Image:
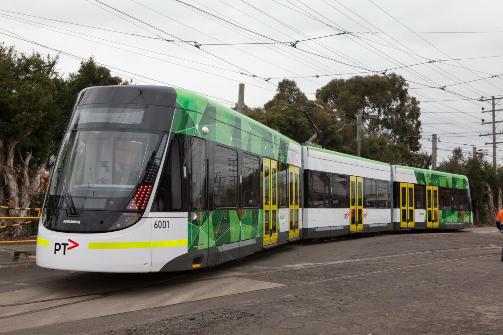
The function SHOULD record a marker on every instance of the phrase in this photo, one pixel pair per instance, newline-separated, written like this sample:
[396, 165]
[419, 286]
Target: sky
[449, 51]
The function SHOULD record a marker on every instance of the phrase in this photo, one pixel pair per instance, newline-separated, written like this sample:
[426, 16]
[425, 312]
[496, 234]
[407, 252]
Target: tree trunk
[10, 175]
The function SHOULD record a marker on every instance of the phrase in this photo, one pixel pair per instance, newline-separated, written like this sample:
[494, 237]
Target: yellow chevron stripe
[137, 245]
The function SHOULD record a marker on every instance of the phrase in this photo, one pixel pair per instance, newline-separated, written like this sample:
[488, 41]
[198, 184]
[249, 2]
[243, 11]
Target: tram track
[104, 294]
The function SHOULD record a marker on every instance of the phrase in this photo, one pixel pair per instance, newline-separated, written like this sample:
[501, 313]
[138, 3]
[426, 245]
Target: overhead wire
[239, 49]
[180, 39]
[14, 35]
[106, 42]
[421, 37]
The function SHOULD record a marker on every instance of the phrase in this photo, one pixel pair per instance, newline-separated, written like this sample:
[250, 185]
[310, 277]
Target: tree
[387, 109]
[35, 104]
[485, 183]
[28, 120]
[334, 113]
[89, 74]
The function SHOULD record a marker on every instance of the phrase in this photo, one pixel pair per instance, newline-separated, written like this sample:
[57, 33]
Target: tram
[152, 178]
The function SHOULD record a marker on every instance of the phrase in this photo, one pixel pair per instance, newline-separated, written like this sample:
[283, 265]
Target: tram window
[446, 198]
[370, 192]
[198, 173]
[467, 200]
[282, 185]
[360, 192]
[420, 196]
[274, 188]
[396, 195]
[319, 189]
[297, 188]
[403, 196]
[169, 195]
[291, 180]
[383, 196]
[225, 179]
[339, 191]
[459, 202]
[250, 185]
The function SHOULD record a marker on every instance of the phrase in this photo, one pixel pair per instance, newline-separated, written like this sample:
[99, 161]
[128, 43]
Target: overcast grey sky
[385, 34]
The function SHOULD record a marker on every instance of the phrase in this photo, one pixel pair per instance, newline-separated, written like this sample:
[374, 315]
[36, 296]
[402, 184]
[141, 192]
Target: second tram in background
[162, 179]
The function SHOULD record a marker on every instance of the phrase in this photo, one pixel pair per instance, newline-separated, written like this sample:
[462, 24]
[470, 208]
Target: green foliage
[89, 74]
[387, 109]
[391, 126]
[29, 110]
[35, 104]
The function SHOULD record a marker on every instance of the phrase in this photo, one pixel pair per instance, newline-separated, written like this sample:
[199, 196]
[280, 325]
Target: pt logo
[64, 247]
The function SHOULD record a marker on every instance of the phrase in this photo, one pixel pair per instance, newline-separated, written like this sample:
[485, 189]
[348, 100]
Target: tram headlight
[125, 220]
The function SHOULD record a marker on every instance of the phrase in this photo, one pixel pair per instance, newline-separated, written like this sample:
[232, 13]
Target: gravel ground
[420, 283]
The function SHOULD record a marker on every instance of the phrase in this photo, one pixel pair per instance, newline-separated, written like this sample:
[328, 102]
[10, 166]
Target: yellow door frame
[274, 202]
[353, 199]
[293, 201]
[429, 207]
[360, 193]
[404, 196]
[407, 207]
[436, 212]
[355, 204]
[432, 212]
[411, 210]
[266, 201]
[297, 202]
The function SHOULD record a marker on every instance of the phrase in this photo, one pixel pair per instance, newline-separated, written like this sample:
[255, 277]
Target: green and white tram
[162, 179]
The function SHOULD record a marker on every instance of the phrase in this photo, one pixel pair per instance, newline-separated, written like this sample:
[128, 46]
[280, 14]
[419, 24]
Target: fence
[27, 219]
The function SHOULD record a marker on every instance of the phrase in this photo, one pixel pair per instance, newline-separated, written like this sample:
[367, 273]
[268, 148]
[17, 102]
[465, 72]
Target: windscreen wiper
[70, 205]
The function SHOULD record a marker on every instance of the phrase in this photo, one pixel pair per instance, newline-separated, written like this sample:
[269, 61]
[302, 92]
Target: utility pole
[358, 133]
[241, 98]
[434, 140]
[494, 130]
[474, 152]
[493, 124]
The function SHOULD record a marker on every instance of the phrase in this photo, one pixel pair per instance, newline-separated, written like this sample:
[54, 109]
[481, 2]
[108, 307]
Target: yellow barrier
[29, 218]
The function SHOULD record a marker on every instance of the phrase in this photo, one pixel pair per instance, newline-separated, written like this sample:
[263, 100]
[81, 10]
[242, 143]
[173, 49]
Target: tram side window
[369, 192]
[170, 192]
[283, 185]
[225, 179]
[396, 195]
[420, 196]
[340, 191]
[198, 173]
[250, 185]
[459, 199]
[383, 195]
[319, 189]
[446, 198]
[467, 200]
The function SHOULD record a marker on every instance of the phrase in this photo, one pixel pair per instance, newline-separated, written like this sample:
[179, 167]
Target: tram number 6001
[162, 224]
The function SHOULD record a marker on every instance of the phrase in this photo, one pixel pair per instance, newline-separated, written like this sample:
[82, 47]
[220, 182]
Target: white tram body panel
[143, 247]
[338, 219]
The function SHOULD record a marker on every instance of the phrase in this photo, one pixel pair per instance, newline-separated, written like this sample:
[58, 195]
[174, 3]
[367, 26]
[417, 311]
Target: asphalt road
[420, 283]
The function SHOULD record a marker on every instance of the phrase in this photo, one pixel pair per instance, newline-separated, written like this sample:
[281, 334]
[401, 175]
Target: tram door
[407, 210]
[293, 202]
[433, 219]
[356, 204]
[270, 201]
